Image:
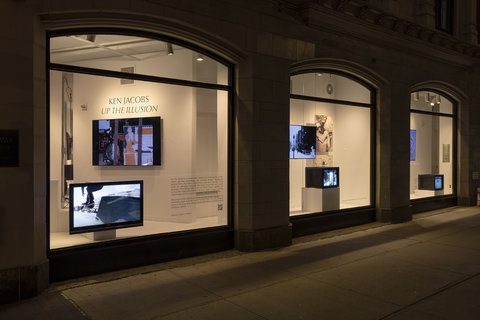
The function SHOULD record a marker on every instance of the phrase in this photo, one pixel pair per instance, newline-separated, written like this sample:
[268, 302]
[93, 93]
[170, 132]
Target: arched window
[138, 135]
[331, 143]
[432, 145]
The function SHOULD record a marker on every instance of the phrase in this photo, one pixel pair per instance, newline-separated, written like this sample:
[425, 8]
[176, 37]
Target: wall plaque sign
[446, 152]
[8, 148]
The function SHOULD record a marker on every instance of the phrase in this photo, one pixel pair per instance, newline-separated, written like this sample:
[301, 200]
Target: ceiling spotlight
[169, 49]
[199, 57]
[319, 74]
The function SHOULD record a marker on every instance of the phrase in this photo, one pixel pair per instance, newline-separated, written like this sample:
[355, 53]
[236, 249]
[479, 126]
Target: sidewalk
[428, 268]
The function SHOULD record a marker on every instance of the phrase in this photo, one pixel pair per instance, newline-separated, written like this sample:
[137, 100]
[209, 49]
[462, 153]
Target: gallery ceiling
[68, 49]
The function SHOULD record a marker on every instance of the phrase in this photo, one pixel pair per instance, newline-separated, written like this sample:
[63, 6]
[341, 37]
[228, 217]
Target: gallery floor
[64, 239]
[428, 268]
[345, 204]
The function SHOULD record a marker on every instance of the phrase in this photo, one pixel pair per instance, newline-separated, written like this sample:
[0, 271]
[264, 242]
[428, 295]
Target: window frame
[454, 118]
[373, 110]
[229, 88]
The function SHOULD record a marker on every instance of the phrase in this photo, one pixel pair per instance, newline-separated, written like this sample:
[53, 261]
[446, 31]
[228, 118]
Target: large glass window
[138, 139]
[330, 143]
[432, 147]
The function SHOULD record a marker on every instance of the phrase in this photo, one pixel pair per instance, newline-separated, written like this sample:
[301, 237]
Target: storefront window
[138, 139]
[431, 145]
[330, 143]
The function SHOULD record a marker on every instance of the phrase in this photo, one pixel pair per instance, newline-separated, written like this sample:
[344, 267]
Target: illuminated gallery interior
[335, 112]
[432, 148]
[168, 130]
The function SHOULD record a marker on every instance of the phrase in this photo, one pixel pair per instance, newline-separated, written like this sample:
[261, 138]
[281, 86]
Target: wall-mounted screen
[105, 205]
[330, 177]
[439, 182]
[413, 144]
[302, 142]
[126, 142]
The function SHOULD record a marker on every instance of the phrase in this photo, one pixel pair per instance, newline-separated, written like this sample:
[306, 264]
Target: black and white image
[324, 134]
[97, 206]
[330, 178]
[302, 142]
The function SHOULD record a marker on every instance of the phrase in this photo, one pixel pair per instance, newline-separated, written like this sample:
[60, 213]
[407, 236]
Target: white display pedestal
[102, 235]
[319, 200]
[427, 193]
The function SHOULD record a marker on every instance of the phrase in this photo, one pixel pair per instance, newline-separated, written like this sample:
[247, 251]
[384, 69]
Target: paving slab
[439, 256]
[140, 297]
[388, 279]
[303, 298]
[227, 277]
[461, 301]
[321, 255]
[468, 238]
[420, 230]
[47, 306]
[424, 269]
[214, 311]
[412, 315]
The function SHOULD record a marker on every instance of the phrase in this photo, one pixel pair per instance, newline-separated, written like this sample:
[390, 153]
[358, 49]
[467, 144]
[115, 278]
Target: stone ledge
[394, 215]
[23, 282]
[254, 240]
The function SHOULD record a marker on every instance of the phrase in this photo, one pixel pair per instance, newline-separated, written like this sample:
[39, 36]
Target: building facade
[142, 131]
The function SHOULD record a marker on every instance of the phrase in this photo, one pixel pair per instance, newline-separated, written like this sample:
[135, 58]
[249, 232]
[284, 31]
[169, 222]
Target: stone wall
[264, 40]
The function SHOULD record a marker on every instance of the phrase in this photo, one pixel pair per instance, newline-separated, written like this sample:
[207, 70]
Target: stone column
[261, 154]
[425, 13]
[467, 21]
[23, 262]
[393, 154]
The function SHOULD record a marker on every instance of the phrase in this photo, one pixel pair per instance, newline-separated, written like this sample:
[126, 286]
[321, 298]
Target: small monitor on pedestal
[322, 177]
[430, 182]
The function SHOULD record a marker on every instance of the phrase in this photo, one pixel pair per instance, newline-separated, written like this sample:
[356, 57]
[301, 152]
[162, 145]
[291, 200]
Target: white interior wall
[56, 214]
[177, 106]
[446, 167]
[351, 135]
[55, 125]
[352, 154]
[423, 156]
[222, 152]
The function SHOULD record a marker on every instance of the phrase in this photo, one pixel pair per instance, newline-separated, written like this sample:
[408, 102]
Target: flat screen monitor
[302, 142]
[413, 144]
[105, 205]
[439, 182]
[330, 177]
[126, 142]
[322, 177]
